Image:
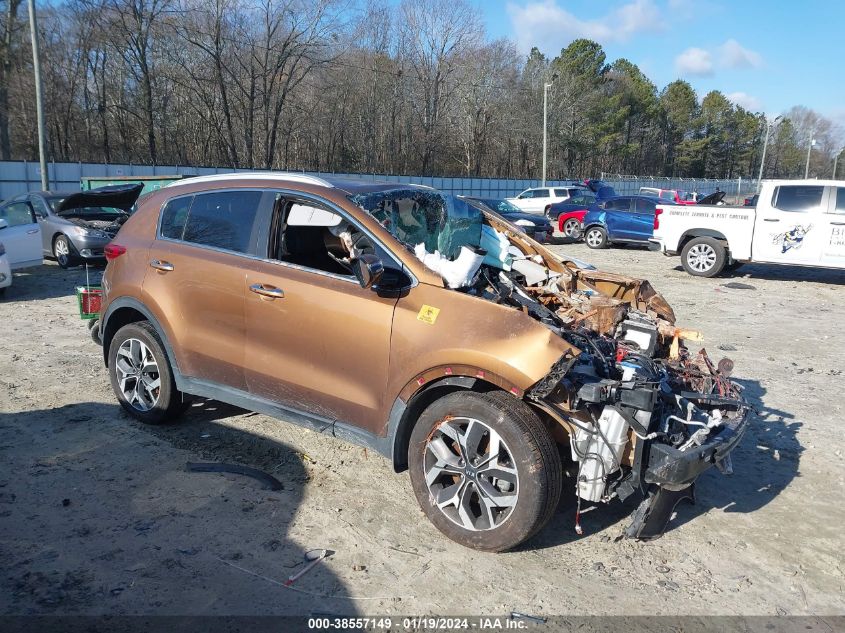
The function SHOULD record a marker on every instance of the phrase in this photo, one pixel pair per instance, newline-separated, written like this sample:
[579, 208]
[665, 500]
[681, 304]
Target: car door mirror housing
[368, 270]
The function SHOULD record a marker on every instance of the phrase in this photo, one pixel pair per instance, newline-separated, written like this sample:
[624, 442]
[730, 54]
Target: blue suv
[628, 219]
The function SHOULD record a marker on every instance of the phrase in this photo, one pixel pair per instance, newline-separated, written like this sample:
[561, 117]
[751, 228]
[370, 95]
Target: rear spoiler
[115, 196]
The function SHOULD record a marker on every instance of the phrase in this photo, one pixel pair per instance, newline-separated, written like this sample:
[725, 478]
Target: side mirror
[368, 270]
[3, 223]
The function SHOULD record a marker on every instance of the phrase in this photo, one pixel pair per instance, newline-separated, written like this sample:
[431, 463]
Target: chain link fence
[18, 177]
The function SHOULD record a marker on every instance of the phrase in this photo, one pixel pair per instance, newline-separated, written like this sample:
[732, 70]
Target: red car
[569, 215]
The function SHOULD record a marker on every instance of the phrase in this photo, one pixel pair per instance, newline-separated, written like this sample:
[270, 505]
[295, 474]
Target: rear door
[316, 341]
[790, 228]
[21, 235]
[619, 219]
[642, 222]
[198, 267]
[833, 230]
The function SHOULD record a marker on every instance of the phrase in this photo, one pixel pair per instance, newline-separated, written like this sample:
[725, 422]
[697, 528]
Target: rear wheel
[703, 257]
[141, 376]
[596, 237]
[485, 470]
[63, 251]
[572, 228]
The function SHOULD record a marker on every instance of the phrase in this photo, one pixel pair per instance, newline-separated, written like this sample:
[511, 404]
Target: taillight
[113, 251]
[657, 213]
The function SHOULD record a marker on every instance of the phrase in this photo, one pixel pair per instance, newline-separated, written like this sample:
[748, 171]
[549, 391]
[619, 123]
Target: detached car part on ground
[476, 377]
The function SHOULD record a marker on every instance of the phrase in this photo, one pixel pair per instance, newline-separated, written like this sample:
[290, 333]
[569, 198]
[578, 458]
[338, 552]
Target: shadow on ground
[100, 517]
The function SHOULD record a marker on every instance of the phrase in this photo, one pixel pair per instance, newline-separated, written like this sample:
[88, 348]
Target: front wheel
[484, 469]
[63, 251]
[703, 257]
[596, 237]
[572, 228]
[141, 376]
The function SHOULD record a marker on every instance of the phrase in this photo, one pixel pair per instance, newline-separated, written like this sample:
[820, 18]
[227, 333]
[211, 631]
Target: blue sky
[766, 55]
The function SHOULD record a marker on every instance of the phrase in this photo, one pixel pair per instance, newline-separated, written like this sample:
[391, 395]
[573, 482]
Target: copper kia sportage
[406, 320]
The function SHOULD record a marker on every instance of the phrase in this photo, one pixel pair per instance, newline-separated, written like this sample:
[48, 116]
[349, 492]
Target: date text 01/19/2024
[418, 623]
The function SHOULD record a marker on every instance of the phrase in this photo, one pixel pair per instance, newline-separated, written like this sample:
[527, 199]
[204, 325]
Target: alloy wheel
[594, 238]
[571, 228]
[137, 374]
[470, 474]
[61, 249]
[701, 257]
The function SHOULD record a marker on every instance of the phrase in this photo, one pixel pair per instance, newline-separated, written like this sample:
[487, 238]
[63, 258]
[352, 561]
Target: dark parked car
[77, 225]
[620, 219]
[536, 226]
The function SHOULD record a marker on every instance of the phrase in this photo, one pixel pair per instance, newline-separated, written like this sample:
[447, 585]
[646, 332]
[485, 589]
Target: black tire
[3, 291]
[704, 257]
[572, 228]
[94, 331]
[169, 401]
[596, 237]
[66, 258]
[529, 448]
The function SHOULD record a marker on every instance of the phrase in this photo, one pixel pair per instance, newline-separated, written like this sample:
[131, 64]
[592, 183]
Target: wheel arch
[691, 234]
[406, 411]
[126, 310]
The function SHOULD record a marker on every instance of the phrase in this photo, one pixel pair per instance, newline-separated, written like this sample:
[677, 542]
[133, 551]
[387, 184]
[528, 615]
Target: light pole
[39, 103]
[546, 87]
[769, 126]
[809, 149]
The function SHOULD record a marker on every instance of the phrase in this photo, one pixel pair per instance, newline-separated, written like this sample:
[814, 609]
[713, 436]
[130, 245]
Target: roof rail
[241, 175]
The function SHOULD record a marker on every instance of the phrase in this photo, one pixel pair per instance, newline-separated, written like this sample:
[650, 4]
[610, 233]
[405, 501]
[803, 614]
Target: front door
[21, 235]
[619, 219]
[642, 221]
[198, 266]
[790, 228]
[316, 341]
[833, 234]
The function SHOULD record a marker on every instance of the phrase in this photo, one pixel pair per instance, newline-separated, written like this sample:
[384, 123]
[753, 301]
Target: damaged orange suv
[405, 320]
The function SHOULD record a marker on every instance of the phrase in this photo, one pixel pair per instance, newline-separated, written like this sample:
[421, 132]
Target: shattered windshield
[441, 222]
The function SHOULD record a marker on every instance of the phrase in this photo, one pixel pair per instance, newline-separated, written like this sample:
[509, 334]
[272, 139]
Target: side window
[173, 217]
[40, 207]
[17, 214]
[525, 195]
[797, 198]
[313, 237]
[645, 206]
[840, 200]
[223, 220]
[619, 204]
[541, 193]
[562, 193]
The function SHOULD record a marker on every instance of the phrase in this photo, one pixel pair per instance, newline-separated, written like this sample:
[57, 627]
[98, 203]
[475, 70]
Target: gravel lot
[99, 516]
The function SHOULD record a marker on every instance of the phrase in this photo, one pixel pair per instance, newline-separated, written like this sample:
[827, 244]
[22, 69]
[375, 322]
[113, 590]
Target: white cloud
[548, 26]
[694, 61]
[747, 101]
[733, 55]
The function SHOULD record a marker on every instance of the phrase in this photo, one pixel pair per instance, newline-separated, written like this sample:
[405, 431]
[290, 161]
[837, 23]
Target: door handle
[770, 220]
[161, 266]
[32, 232]
[267, 291]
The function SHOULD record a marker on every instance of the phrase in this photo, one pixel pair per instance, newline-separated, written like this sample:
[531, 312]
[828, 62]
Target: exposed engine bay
[97, 219]
[638, 409]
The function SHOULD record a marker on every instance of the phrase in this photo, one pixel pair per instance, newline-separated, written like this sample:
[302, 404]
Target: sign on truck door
[833, 225]
[793, 228]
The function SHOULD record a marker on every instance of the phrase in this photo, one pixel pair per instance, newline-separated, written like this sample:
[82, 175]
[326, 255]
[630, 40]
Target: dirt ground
[99, 516]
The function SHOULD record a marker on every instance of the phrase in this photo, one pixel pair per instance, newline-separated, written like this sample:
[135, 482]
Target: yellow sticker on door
[428, 314]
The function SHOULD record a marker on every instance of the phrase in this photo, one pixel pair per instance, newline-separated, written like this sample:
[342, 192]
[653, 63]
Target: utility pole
[769, 127]
[39, 103]
[809, 149]
[546, 87]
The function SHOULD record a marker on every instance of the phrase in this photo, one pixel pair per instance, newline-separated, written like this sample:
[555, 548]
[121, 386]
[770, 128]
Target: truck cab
[798, 222]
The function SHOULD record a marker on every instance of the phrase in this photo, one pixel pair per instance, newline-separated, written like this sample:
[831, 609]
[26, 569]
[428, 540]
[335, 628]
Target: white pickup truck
[798, 222]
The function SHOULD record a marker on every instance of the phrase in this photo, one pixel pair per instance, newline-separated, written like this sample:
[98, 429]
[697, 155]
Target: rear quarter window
[223, 220]
[173, 217]
[797, 198]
